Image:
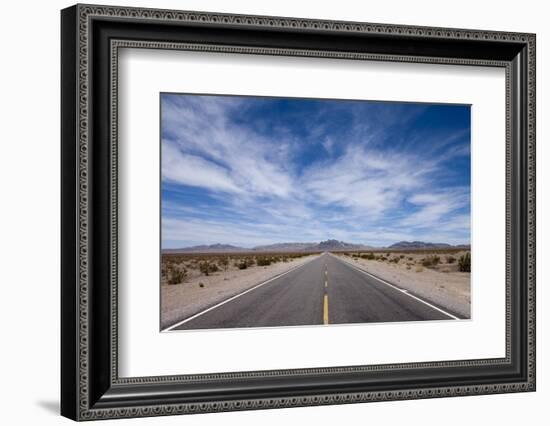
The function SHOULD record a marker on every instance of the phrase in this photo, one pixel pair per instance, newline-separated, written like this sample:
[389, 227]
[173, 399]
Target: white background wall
[29, 212]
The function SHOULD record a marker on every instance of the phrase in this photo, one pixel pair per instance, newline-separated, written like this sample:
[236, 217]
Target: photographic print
[312, 212]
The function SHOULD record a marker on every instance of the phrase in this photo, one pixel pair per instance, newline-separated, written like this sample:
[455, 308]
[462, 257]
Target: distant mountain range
[421, 245]
[335, 245]
[213, 248]
[285, 247]
[328, 245]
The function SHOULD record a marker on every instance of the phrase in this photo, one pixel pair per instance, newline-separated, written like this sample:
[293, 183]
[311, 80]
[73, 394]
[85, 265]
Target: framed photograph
[263, 212]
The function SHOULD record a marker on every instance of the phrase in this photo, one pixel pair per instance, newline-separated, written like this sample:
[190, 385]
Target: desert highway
[325, 290]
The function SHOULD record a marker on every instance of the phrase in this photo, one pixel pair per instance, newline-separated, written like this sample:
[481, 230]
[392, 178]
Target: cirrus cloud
[250, 170]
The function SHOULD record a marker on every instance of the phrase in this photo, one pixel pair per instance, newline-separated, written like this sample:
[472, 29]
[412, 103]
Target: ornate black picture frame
[91, 387]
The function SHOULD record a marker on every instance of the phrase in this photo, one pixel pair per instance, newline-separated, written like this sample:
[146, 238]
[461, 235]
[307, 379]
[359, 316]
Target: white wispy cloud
[234, 155]
[188, 169]
[435, 206]
[366, 180]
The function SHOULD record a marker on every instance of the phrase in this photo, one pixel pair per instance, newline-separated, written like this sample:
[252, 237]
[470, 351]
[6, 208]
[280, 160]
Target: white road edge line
[400, 289]
[235, 297]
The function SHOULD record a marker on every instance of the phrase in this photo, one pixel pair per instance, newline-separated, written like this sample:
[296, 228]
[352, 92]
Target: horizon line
[252, 247]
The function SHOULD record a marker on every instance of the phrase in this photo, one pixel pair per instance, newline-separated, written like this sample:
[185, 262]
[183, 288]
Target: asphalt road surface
[326, 290]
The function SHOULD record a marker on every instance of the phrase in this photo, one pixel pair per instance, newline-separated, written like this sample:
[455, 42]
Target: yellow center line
[325, 298]
[325, 310]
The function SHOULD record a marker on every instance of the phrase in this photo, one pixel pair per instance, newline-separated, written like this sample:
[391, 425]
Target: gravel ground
[449, 290]
[181, 301]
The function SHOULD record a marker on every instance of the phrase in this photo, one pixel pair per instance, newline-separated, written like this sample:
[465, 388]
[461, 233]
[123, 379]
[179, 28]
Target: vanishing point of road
[325, 290]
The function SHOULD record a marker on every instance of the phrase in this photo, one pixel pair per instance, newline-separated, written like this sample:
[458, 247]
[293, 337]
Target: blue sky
[249, 171]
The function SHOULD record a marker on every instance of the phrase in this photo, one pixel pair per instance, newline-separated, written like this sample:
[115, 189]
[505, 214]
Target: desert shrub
[401, 256]
[176, 275]
[250, 261]
[224, 262]
[263, 261]
[451, 259]
[242, 265]
[395, 260]
[369, 256]
[201, 285]
[464, 263]
[429, 261]
[206, 267]
[203, 267]
[410, 258]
